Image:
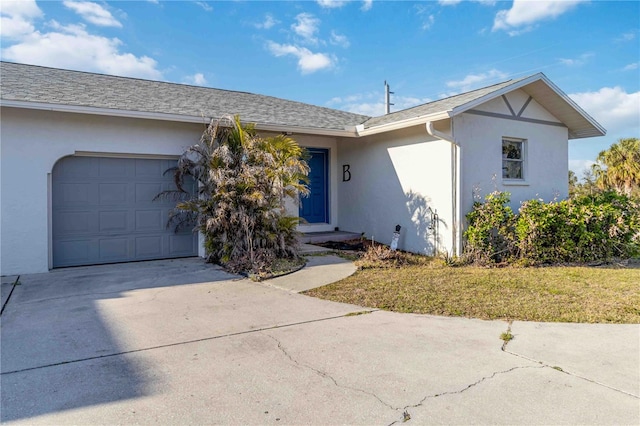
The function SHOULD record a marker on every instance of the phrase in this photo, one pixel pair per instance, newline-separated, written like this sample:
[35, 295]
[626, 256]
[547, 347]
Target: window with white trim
[513, 161]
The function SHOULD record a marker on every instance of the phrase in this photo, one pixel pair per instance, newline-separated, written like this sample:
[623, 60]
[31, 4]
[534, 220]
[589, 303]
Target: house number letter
[346, 174]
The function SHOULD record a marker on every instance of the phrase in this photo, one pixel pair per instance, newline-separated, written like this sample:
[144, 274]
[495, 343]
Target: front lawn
[547, 294]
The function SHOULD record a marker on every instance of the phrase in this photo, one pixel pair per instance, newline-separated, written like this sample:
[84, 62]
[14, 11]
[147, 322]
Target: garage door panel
[180, 244]
[71, 222]
[114, 249]
[110, 216]
[150, 220]
[72, 252]
[113, 221]
[73, 193]
[112, 193]
[114, 167]
[84, 169]
[155, 169]
[150, 246]
[147, 191]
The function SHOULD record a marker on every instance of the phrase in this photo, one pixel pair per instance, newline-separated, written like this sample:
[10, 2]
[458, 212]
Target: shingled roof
[36, 84]
[32, 86]
[446, 104]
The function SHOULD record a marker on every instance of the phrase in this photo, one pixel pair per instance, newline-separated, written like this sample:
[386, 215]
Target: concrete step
[323, 237]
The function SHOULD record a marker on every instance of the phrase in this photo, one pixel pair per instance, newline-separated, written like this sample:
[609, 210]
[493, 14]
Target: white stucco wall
[546, 155]
[395, 178]
[33, 141]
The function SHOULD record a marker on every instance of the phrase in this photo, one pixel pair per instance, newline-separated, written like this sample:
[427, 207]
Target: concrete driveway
[182, 342]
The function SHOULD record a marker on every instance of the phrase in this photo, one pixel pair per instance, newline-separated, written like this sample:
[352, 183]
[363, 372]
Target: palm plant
[243, 181]
[619, 167]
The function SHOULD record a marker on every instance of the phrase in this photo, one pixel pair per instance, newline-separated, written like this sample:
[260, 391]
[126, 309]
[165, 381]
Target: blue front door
[315, 207]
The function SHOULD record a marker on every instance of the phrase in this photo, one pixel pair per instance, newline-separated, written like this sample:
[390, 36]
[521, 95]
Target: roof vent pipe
[387, 104]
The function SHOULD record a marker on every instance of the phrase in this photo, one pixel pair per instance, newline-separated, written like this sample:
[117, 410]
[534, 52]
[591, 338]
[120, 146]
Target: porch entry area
[315, 207]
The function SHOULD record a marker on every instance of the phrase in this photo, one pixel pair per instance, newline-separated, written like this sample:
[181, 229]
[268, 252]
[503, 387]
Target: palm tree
[619, 167]
[243, 181]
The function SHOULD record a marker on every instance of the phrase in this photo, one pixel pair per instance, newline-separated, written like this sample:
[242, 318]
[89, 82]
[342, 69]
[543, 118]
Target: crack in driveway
[326, 375]
[466, 388]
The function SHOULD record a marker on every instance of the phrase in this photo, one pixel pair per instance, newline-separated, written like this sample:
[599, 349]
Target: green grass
[547, 294]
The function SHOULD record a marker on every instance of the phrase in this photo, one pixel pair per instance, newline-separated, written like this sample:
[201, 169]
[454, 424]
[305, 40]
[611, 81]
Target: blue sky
[339, 53]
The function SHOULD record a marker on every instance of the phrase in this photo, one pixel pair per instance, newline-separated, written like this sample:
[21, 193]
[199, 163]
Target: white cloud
[16, 18]
[428, 22]
[308, 62]
[612, 107]
[474, 81]
[92, 12]
[72, 47]
[306, 26]
[579, 61]
[423, 13]
[331, 4]
[23, 8]
[339, 40]
[372, 104]
[269, 22]
[206, 6]
[524, 14]
[626, 36]
[455, 2]
[579, 167]
[366, 5]
[196, 79]
[631, 67]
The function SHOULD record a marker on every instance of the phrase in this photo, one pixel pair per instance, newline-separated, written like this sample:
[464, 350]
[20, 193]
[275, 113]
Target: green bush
[583, 229]
[491, 232]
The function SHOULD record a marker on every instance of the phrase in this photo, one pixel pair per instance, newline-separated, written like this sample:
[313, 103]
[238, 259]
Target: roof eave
[489, 96]
[270, 127]
[598, 129]
[395, 125]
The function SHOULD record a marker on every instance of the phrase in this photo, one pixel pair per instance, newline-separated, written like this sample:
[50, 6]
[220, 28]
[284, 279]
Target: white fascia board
[169, 117]
[305, 130]
[416, 121]
[539, 76]
[489, 96]
[103, 111]
[574, 105]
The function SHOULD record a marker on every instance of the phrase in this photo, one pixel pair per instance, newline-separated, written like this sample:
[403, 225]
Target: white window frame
[523, 160]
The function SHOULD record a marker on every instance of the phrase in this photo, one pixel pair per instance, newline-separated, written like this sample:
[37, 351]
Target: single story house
[83, 155]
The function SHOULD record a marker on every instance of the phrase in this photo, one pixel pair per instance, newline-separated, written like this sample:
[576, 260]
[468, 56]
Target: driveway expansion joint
[564, 371]
[168, 345]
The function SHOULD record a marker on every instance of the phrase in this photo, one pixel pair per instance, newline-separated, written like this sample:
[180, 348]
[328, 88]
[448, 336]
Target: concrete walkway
[182, 342]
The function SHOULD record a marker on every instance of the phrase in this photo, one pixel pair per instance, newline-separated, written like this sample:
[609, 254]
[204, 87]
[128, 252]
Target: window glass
[512, 159]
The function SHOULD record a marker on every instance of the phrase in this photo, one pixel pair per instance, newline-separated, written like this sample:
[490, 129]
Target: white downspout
[455, 196]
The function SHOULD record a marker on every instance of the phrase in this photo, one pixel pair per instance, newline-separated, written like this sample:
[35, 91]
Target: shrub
[490, 235]
[243, 181]
[583, 229]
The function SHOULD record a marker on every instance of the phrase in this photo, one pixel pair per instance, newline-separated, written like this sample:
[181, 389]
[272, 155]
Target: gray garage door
[103, 212]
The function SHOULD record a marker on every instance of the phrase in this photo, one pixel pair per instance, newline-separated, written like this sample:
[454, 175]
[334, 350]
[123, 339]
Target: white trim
[519, 84]
[515, 182]
[125, 155]
[402, 123]
[349, 132]
[524, 153]
[169, 117]
[456, 185]
[499, 92]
